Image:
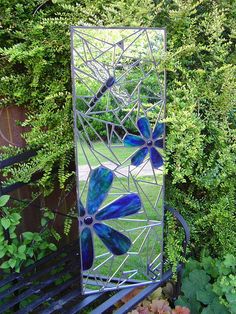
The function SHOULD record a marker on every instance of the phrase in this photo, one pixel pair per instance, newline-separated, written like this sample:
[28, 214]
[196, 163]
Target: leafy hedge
[200, 63]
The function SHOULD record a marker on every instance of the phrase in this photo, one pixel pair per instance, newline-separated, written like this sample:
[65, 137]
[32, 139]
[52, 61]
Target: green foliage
[209, 286]
[173, 245]
[19, 250]
[200, 63]
[68, 221]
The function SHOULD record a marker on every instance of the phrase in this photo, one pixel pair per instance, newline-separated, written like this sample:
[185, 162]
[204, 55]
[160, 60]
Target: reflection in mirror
[119, 106]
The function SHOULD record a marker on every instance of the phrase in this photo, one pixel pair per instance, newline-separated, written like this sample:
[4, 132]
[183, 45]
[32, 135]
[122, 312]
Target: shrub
[19, 250]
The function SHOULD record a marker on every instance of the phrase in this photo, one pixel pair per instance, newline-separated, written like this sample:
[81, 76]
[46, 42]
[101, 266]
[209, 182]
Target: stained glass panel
[119, 107]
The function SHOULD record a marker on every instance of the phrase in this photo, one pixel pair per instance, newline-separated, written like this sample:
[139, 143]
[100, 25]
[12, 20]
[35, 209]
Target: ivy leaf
[4, 199]
[5, 223]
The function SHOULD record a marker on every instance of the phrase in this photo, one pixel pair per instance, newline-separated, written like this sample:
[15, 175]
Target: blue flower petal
[99, 185]
[116, 242]
[144, 127]
[159, 143]
[133, 140]
[139, 156]
[81, 209]
[124, 206]
[158, 130]
[156, 158]
[87, 248]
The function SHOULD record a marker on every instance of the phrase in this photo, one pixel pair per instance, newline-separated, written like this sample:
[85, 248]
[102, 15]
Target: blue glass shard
[156, 158]
[139, 156]
[159, 143]
[144, 127]
[124, 206]
[158, 130]
[99, 185]
[87, 248]
[133, 140]
[81, 209]
[110, 81]
[116, 242]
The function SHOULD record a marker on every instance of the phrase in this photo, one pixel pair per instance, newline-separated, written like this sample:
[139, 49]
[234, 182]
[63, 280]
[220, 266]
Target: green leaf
[15, 217]
[22, 248]
[4, 199]
[51, 215]
[21, 256]
[43, 222]
[28, 235]
[5, 222]
[30, 252]
[209, 266]
[205, 296]
[231, 297]
[12, 229]
[13, 235]
[199, 278]
[40, 255]
[233, 307]
[52, 247]
[215, 308]
[37, 237]
[5, 265]
[2, 253]
[12, 262]
[188, 289]
[11, 248]
[230, 260]
[192, 304]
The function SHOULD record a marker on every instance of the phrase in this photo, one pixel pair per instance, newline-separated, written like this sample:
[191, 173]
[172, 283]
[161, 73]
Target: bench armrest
[183, 223]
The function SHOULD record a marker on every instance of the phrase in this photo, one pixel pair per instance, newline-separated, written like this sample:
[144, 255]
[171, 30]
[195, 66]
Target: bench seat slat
[47, 296]
[85, 302]
[111, 301]
[57, 305]
[36, 288]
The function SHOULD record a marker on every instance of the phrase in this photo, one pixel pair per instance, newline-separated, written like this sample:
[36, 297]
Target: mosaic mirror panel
[119, 106]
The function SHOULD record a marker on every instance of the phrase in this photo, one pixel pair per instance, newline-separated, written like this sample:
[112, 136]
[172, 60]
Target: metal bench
[52, 284]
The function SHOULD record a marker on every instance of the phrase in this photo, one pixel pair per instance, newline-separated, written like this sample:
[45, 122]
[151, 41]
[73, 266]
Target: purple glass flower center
[88, 220]
[149, 143]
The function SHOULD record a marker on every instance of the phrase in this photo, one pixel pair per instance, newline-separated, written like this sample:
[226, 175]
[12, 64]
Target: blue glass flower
[148, 143]
[91, 217]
